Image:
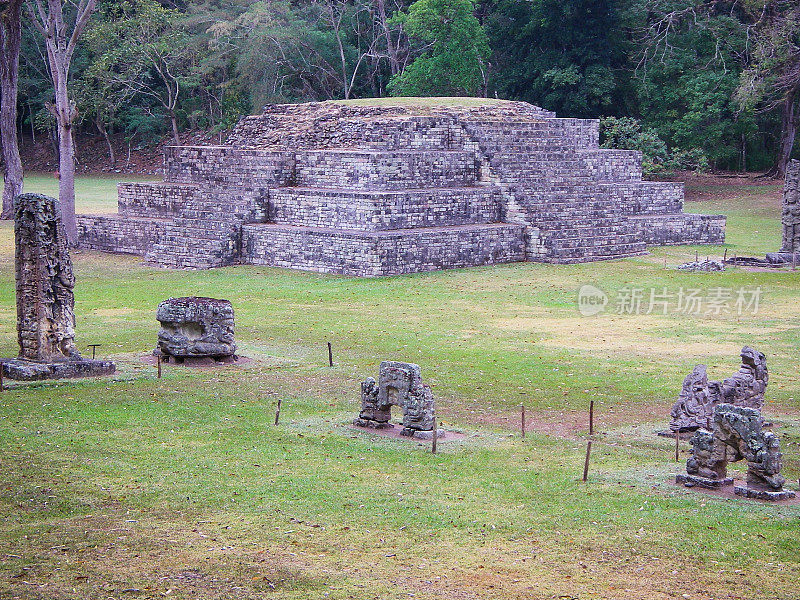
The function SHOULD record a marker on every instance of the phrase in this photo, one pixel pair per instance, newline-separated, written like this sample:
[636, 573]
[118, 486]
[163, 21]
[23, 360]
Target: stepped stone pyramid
[384, 190]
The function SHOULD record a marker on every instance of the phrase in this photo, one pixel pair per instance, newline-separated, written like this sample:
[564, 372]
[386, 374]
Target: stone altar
[399, 384]
[196, 328]
[737, 434]
[699, 396]
[45, 299]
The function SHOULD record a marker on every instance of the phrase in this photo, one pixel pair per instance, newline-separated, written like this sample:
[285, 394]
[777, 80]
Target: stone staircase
[383, 190]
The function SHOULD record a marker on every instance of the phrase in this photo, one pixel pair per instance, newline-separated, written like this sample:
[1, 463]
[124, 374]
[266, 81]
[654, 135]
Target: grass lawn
[133, 487]
[421, 102]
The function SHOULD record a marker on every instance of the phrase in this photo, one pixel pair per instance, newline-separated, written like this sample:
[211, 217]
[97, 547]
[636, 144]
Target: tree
[565, 55]
[61, 38]
[453, 50]
[688, 61]
[772, 79]
[147, 52]
[10, 42]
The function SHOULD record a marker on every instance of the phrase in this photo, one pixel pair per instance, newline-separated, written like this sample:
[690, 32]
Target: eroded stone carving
[737, 434]
[699, 396]
[399, 384]
[196, 328]
[45, 299]
[790, 217]
[45, 282]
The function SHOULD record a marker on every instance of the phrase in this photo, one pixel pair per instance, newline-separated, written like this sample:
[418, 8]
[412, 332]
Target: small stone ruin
[45, 299]
[399, 384]
[699, 396]
[196, 330]
[737, 433]
[790, 217]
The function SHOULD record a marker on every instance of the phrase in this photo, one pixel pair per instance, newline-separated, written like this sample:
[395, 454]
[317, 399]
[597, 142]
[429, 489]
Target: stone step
[383, 210]
[118, 233]
[379, 253]
[385, 170]
[228, 166]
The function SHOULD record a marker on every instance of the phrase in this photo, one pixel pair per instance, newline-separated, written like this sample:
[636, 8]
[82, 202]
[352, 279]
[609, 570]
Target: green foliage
[627, 133]
[685, 84]
[563, 55]
[454, 50]
[705, 77]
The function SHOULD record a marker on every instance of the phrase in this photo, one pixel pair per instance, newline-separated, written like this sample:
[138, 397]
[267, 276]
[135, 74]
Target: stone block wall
[380, 211]
[222, 166]
[385, 170]
[678, 229]
[375, 190]
[646, 197]
[129, 235]
[153, 200]
[373, 254]
[618, 165]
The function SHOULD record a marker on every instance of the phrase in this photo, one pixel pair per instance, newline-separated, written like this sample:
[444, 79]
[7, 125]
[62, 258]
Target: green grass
[421, 101]
[134, 487]
[95, 194]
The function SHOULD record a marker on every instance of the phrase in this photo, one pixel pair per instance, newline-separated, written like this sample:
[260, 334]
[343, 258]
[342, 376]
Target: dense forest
[693, 84]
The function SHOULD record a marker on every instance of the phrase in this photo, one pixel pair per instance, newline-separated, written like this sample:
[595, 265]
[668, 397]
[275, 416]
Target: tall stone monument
[790, 217]
[45, 300]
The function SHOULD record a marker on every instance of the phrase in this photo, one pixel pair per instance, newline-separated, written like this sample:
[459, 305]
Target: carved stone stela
[399, 384]
[790, 217]
[45, 299]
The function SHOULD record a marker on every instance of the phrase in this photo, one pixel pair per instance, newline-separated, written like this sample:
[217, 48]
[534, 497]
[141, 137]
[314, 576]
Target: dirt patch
[394, 433]
[727, 492]
[209, 363]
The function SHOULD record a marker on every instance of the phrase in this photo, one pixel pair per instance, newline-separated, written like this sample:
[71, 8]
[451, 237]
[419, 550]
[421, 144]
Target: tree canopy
[717, 79]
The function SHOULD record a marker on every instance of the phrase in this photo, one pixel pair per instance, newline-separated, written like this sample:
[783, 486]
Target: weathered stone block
[699, 396]
[196, 328]
[737, 433]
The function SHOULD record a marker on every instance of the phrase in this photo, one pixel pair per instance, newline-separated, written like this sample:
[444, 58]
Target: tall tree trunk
[66, 182]
[394, 64]
[48, 18]
[174, 120]
[101, 127]
[789, 118]
[10, 40]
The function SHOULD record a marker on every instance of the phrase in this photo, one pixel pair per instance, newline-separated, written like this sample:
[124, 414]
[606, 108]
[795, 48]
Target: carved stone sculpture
[790, 217]
[45, 282]
[737, 434]
[399, 384]
[45, 299]
[196, 328]
[699, 396]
